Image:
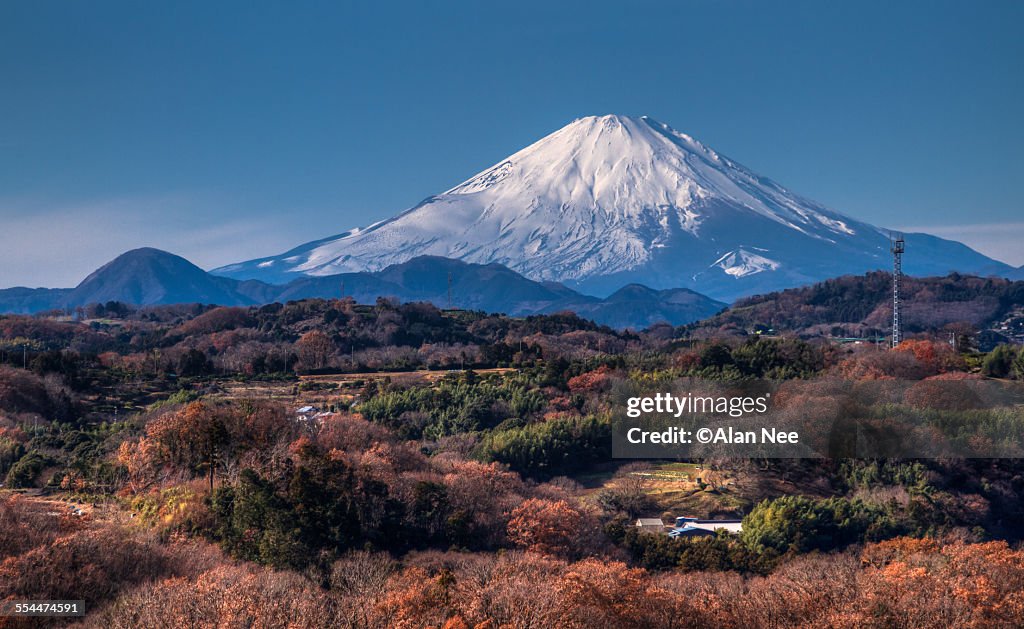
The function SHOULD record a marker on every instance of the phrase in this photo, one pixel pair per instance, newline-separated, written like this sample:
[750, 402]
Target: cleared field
[324, 390]
[678, 488]
[68, 505]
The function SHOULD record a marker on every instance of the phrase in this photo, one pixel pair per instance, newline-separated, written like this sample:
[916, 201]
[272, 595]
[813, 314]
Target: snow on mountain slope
[608, 200]
[741, 263]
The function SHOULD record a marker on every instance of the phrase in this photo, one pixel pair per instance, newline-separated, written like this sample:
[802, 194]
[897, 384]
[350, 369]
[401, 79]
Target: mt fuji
[611, 200]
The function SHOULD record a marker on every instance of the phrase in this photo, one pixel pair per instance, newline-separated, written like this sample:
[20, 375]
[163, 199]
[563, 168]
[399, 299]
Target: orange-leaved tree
[549, 527]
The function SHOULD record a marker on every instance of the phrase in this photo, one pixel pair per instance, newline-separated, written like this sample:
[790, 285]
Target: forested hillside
[861, 306]
[394, 464]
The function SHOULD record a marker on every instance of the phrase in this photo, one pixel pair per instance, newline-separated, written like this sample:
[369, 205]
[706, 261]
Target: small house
[651, 525]
[306, 413]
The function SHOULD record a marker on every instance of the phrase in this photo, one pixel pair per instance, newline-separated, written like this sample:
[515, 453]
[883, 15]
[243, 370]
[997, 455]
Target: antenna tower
[897, 247]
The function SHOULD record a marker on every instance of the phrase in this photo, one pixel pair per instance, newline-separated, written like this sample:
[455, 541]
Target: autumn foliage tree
[591, 381]
[933, 356]
[193, 437]
[315, 349]
[545, 526]
[200, 437]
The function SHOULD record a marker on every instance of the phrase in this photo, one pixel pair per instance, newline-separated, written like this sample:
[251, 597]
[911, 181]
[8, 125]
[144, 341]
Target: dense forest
[323, 462]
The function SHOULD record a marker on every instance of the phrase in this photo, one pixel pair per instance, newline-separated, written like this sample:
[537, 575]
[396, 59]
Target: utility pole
[897, 247]
[449, 290]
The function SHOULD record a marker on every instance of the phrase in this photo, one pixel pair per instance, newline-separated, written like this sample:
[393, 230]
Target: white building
[696, 527]
[651, 525]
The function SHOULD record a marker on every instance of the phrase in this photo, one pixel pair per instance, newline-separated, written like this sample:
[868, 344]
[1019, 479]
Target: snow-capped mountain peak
[603, 201]
[625, 166]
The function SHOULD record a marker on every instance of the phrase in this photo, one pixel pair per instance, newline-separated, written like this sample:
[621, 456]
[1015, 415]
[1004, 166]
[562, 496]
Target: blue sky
[226, 131]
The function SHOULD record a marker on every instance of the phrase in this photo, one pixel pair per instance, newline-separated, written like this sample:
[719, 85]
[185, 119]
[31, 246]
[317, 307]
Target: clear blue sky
[225, 131]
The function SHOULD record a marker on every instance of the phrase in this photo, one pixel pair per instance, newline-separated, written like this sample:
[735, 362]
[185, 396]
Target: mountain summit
[609, 200]
[150, 276]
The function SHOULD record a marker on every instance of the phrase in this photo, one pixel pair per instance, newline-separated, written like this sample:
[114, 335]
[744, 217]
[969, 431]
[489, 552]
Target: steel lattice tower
[897, 247]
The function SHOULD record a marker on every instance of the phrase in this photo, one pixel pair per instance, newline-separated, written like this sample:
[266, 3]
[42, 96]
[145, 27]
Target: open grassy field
[327, 390]
[693, 488]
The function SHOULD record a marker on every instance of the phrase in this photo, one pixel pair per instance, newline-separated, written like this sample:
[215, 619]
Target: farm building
[695, 527]
[651, 525]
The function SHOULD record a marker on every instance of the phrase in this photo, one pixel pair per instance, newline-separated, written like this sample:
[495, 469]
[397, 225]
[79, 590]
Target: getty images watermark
[831, 418]
[690, 404]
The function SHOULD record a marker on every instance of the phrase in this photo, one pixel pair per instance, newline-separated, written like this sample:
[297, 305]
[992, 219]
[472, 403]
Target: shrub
[999, 363]
[25, 472]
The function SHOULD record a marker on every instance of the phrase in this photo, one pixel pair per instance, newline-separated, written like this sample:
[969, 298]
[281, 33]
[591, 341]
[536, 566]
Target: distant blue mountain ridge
[146, 277]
